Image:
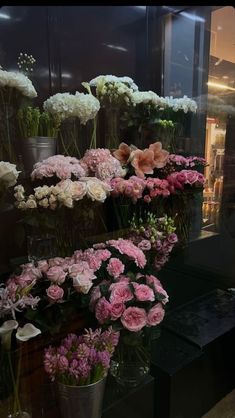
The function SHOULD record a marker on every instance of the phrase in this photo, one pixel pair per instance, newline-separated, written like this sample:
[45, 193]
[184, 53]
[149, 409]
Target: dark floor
[223, 409]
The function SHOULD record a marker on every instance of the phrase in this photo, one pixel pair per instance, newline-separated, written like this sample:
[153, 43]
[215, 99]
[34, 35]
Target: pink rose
[117, 309]
[43, 265]
[152, 280]
[82, 284]
[57, 261]
[81, 270]
[115, 267]
[191, 176]
[25, 279]
[120, 292]
[103, 310]
[143, 292]
[78, 190]
[55, 293]
[144, 245]
[159, 289]
[56, 274]
[155, 315]
[134, 319]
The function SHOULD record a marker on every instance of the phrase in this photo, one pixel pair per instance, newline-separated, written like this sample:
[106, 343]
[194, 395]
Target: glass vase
[7, 132]
[130, 363]
[14, 394]
[68, 138]
[112, 132]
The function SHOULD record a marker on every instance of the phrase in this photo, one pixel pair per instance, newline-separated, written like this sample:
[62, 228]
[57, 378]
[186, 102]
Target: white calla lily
[6, 331]
[27, 332]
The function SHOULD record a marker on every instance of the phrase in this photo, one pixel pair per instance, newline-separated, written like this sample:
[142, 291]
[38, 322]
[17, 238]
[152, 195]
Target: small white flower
[27, 332]
[8, 326]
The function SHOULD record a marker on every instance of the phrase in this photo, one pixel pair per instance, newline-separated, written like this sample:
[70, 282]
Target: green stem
[15, 383]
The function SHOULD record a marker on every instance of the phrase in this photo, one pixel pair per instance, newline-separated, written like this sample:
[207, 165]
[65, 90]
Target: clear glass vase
[130, 363]
[112, 131]
[14, 393]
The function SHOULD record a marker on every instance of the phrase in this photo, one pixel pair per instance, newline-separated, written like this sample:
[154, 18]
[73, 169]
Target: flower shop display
[15, 87]
[74, 111]
[38, 132]
[79, 366]
[132, 301]
[65, 208]
[15, 401]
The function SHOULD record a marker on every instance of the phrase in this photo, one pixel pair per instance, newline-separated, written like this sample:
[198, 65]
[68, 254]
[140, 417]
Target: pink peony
[55, 293]
[115, 267]
[103, 310]
[152, 280]
[117, 309]
[120, 292]
[134, 319]
[143, 292]
[56, 274]
[155, 315]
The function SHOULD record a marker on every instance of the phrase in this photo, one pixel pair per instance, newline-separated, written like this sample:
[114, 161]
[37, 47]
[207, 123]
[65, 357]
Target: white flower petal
[8, 326]
[27, 332]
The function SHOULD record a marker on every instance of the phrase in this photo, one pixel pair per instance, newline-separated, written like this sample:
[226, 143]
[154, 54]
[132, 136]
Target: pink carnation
[117, 309]
[155, 315]
[103, 310]
[115, 267]
[125, 246]
[134, 319]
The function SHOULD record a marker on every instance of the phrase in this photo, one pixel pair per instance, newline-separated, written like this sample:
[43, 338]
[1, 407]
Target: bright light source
[220, 86]
[4, 16]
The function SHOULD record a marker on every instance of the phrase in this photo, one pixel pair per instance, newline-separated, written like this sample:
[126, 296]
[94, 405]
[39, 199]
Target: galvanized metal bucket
[36, 149]
[81, 401]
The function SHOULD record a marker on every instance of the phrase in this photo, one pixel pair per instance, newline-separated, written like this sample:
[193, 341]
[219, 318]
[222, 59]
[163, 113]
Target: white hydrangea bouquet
[73, 111]
[114, 94]
[15, 88]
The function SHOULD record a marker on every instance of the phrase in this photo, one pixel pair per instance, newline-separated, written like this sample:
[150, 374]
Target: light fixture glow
[4, 16]
[220, 86]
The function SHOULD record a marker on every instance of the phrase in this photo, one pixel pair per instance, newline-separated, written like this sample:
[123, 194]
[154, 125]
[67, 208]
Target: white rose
[21, 205]
[44, 203]
[31, 204]
[68, 202]
[19, 196]
[8, 173]
[96, 190]
[19, 189]
[41, 192]
[82, 285]
[52, 199]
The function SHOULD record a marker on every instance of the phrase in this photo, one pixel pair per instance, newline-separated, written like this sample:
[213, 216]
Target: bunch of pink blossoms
[132, 187]
[178, 180]
[81, 360]
[101, 164]
[130, 303]
[59, 166]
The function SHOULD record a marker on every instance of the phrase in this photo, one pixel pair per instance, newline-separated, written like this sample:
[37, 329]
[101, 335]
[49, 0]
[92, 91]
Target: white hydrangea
[147, 97]
[65, 105]
[18, 81]
[183, 103]
[114, 79]
[113, 93]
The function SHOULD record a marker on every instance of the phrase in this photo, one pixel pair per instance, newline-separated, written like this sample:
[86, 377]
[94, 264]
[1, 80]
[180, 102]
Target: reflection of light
[219, 28]
[193, 17]
[66, 75]
[141, 7]
[118, 47]
[4, 16]
[218, 62]
[225, 76]
[220, 86]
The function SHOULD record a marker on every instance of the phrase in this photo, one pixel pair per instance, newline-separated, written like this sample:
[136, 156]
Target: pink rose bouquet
[81, 360]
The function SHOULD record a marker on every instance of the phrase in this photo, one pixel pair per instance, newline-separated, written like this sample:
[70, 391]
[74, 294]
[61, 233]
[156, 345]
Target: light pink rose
[103, 310]
[78, 190]
[25, 279]
[55, 293]
[162, 291]
[144, 245]
[120, 292]
[117, 310]
[134, 319]
[82, 284]
[155, 315]
[56, 274]
[57, 261]
[81, 270]
[43, 265]
[143, 292]
[115, 267]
